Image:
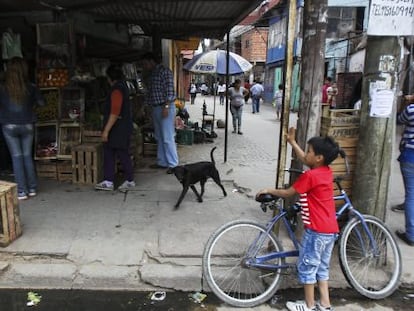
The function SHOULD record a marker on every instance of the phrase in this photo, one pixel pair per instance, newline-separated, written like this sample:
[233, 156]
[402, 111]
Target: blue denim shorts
[314, 256]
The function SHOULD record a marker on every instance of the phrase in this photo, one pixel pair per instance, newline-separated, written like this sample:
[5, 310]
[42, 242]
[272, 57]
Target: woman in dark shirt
[17, 99]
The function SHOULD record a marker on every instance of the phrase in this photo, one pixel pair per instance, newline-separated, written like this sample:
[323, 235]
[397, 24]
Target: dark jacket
[19, 113]
[120, 133]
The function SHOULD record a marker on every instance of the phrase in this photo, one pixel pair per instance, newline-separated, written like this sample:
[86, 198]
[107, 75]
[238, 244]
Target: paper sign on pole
[391, 18]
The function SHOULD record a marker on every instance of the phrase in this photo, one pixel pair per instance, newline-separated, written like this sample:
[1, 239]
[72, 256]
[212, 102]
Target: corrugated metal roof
[168, 18]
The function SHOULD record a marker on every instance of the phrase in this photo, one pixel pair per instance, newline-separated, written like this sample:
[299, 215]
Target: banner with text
[391, 18]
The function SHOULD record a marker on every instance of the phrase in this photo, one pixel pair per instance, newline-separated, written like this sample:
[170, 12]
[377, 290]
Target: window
[247, 44]
[341, 20]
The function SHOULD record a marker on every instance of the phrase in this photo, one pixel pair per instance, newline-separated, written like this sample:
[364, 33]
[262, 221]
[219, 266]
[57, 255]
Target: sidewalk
[75, 237]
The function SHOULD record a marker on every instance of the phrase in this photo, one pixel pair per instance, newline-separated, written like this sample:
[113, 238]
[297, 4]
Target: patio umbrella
[215, 61]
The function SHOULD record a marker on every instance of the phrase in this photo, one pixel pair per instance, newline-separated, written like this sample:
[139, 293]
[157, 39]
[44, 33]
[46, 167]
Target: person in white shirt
[221, 90]
[193, 91]
[256, 92]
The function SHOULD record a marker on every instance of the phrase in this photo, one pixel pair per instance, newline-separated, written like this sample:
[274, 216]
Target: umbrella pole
[214, 101]
[227, 98]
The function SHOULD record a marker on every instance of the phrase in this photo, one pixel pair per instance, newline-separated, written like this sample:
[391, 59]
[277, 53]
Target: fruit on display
[50, 110]
[52, 77]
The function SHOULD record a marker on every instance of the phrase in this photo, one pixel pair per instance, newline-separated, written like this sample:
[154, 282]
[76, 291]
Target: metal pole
[290, 40]
[227, 98]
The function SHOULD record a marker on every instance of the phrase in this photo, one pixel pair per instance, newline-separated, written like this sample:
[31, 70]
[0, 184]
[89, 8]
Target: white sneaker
[127, 185]
[299, 306]
[105, 185]
[319, 307]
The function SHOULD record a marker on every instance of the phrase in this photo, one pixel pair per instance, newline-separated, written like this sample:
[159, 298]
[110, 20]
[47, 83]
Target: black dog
[190, 174]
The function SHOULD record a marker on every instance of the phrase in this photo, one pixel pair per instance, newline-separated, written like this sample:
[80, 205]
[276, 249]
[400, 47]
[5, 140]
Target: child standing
[315, 188]
[277, 100]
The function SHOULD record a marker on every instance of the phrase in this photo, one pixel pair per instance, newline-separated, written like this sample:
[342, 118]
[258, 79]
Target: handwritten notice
[391, 18]
[381, 103]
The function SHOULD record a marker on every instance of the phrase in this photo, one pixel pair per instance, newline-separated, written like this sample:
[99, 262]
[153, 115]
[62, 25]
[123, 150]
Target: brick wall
[255, 49]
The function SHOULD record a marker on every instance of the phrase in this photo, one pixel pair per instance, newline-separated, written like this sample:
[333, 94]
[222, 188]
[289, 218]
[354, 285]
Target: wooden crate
[87, 164]
[64, 170]
[46, 169]
[89, 136]
[69, 136]
[340, 123]
[10, 228]
[46, 137]
[149, 150]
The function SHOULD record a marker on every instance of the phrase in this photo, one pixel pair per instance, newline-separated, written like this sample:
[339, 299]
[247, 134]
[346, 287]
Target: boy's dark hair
[114, 72]
[327, 147]
[280, 86]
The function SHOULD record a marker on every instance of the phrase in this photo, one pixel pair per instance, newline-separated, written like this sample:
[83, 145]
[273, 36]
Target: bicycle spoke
[229, 269]
[371, 261]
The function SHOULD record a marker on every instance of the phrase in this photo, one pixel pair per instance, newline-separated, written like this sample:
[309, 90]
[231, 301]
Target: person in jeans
[237, 94]
[406, 159]
[256, 91]
[117, 131]
[17, 99]
[161, 98]
[315, 188]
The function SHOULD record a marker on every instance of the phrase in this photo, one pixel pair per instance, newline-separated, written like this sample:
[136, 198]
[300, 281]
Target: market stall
[67, 137]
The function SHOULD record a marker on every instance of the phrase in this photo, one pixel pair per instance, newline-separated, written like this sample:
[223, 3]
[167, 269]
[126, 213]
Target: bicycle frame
[260, 261]
[355, 213]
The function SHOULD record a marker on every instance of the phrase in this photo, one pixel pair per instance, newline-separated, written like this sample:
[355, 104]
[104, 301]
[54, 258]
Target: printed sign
[391, 18]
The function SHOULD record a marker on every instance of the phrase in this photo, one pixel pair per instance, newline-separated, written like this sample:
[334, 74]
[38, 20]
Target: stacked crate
[87, 164]
[343, 126]
[10, 228]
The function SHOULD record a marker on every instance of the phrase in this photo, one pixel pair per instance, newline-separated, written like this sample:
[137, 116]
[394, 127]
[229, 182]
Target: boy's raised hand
[291, 135]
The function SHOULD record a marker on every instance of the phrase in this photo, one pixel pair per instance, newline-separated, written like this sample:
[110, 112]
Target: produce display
[50, 110]
[52, 77]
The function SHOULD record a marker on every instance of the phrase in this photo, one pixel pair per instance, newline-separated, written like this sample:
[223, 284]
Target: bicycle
[243, 261]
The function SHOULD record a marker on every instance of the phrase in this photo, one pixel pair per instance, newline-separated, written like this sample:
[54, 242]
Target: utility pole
[384, 56]
[376, 135]
[315, 21]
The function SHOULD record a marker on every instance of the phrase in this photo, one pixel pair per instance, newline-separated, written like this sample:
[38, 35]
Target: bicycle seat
[264, 198]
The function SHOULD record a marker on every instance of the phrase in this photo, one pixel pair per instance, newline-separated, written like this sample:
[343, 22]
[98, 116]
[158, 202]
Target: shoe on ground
[32, 193]
[240, 132]
[403, 236]
[299, 306]
[234, 132]
[22, 196]
[319, 307]
[157, 166]
[170, 170]
[398, 208]
[105, 185]
[126, 185]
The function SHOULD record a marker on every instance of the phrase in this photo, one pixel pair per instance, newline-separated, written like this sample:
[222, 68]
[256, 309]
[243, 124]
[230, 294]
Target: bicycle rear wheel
[226, 268]
[374, 274]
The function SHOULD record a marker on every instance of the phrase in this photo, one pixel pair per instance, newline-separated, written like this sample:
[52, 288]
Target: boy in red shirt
[315, 188]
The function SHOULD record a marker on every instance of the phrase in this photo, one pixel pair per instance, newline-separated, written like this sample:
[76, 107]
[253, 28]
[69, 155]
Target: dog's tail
[211, 155]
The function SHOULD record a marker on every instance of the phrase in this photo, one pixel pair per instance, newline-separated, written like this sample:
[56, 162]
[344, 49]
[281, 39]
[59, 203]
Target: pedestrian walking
[237, 94]
[161, 98]
[117, 131]
[18, 97]
[221, 89]
[193, 92]
[277, 100]
[256, 91]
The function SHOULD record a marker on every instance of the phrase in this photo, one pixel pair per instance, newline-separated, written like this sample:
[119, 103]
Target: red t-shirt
[315, 187]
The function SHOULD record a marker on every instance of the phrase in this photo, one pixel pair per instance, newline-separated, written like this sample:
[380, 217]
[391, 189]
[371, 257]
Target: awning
[168, 19]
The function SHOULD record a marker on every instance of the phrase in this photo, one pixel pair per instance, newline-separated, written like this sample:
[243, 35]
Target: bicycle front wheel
[374, 272]
[226, 265]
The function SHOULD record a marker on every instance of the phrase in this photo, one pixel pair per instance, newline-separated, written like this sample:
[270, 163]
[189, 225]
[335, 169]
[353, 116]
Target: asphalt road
[81, 300]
